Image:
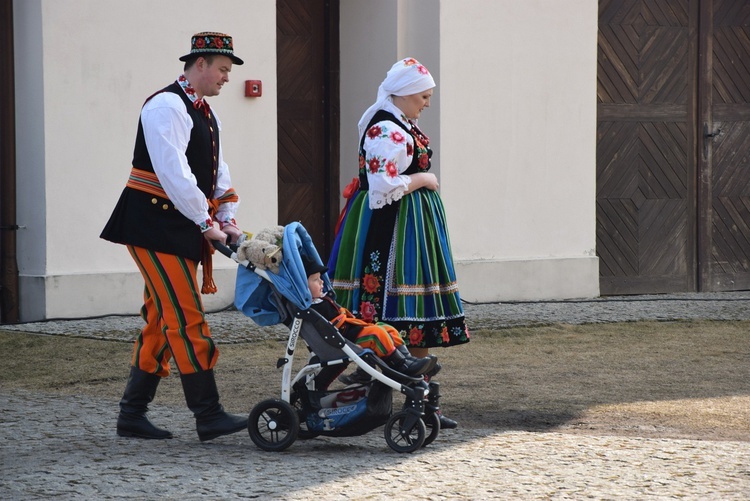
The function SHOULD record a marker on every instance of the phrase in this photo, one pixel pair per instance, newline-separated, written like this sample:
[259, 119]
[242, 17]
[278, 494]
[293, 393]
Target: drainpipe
[8, 224]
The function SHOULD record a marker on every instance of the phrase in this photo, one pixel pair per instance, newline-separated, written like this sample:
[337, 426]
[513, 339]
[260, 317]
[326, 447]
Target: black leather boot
[202, 398]
[446, 423]
[431, 369]
[132, 420]
[326, 376]
[358, 376]
[409, 365]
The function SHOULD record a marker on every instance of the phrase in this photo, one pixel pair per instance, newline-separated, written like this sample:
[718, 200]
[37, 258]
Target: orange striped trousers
[175, 319]
[380, 338]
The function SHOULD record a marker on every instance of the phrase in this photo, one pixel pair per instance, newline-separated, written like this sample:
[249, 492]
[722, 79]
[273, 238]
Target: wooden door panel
[616, 238]
[729, 264]
[663, 226]
[645, 154]
[307, 127]
[673, 184]
[642, 208]
[726, 153]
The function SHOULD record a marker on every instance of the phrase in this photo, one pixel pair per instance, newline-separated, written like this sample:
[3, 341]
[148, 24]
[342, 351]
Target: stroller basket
[351, 411]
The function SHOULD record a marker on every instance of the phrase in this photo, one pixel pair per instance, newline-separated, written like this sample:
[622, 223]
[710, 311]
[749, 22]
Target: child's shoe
[358, 376]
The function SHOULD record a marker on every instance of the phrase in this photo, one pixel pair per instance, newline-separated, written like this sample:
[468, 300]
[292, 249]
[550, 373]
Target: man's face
[212, 76]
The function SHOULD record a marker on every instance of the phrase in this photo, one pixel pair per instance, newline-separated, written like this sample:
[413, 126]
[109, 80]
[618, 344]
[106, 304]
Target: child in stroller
[307, 407]
[382, 339]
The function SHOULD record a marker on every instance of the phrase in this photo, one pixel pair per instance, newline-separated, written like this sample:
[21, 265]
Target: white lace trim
[379, 199]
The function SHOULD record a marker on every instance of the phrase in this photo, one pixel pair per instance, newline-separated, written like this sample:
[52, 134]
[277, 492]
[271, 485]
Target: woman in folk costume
[392, 258]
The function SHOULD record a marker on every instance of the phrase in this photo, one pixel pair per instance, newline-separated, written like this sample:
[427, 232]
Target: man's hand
[215, 234]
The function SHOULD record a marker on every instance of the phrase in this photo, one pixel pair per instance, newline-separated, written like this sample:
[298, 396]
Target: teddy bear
[264, 249]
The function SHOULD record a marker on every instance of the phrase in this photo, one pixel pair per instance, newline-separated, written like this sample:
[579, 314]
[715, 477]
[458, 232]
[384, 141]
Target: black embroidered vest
[153, 222]
[201, 150]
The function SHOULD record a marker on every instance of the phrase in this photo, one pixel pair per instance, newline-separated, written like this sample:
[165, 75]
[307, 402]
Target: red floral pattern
[187, 88]
[368, 312]
[415, 336]
[371, 283]
[444, 334]
[374, 131]
[211, 42]
[374, 165]
[397, 137]
[391, 169]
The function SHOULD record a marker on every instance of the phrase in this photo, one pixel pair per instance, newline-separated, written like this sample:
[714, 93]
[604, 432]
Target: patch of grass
[662, 378]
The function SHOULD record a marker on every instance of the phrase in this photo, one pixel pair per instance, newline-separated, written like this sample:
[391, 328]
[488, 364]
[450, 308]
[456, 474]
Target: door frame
[9, 286]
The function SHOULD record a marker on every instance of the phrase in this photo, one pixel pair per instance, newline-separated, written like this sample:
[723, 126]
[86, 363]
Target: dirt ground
[649, 379]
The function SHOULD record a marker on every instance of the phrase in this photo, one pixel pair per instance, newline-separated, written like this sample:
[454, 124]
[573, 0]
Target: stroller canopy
[254, 296]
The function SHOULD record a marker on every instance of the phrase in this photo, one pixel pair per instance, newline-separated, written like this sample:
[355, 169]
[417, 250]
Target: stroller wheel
[402, 439]
[273, 425]
[432, 423]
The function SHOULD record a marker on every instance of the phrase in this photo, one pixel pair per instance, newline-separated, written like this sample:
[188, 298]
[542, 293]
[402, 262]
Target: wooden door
[646, 155]
[308, 143]
[725, 146]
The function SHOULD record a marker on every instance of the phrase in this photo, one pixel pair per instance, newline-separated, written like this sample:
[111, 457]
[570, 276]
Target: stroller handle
[226, 250]
[230, 251]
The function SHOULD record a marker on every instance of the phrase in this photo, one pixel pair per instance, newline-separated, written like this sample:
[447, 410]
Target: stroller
[308, 407]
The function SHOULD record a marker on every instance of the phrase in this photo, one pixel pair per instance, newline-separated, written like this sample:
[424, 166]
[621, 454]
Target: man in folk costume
[179, 188]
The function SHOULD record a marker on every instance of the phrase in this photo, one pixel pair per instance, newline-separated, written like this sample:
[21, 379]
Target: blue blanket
[254, 295]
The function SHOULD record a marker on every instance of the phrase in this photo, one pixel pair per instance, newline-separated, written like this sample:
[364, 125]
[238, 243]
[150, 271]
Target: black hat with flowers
[210, 42]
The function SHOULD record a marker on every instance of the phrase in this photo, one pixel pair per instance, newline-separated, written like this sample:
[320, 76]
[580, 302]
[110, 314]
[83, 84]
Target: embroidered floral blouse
[389, 151]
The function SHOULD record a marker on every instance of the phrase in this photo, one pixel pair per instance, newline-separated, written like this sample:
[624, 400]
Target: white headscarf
[405, 78]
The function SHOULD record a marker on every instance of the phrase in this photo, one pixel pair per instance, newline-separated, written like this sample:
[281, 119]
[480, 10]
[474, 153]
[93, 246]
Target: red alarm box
[253, 88]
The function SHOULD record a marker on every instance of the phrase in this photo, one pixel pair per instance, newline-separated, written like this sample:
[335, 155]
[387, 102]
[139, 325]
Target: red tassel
[209, 286]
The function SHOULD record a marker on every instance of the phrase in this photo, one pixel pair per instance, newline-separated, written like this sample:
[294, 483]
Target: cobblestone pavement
[65, 447]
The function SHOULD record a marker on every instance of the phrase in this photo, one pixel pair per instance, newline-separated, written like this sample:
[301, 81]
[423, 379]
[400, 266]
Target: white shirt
[166, 128]
[390, 150]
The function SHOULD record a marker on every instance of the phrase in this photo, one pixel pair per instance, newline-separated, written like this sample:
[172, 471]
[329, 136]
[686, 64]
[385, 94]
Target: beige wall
[374, 35]
[83, 70]
[513, 123]
[518, 146]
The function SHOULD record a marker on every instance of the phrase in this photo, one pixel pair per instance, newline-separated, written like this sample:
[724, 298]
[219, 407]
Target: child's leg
[376, 338]
[393, 333]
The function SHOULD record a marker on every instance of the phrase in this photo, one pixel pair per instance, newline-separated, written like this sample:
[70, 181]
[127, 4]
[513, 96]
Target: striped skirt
[394, 265]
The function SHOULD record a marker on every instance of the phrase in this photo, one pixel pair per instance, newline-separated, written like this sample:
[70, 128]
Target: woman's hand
[423, 180]
[232, 232]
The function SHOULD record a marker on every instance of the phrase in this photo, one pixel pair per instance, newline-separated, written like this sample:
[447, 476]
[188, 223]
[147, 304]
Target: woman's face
[413, 104]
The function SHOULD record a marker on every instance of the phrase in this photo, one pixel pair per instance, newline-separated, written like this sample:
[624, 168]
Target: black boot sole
[210, 436]
[133, 434]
